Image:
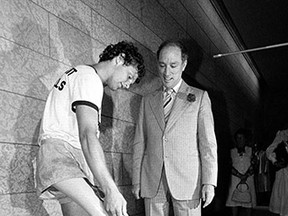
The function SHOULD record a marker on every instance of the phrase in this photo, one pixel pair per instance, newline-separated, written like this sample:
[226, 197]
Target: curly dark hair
[131, 56]
[175, 43]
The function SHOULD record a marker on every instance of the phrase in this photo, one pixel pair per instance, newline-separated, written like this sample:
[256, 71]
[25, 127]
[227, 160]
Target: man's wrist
[110, 188]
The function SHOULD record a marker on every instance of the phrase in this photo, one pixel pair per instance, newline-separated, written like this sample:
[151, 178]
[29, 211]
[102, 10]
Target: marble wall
[39, 39]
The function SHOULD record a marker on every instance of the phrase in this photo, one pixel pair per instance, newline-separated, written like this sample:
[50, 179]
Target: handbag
[242, 193]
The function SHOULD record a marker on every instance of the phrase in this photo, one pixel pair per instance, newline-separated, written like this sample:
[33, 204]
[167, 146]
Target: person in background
[70, 155]
[174, 149]
[242, 171]
[279, 196]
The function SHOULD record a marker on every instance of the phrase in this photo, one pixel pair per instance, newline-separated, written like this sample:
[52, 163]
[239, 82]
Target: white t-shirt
[78, 86]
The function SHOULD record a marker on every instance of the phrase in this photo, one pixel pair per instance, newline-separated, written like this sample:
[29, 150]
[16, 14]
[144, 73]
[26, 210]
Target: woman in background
[242, 171]
[279, 196]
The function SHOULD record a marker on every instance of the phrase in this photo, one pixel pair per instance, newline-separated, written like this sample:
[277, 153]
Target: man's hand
[136, 191]
[208, 192]
[115, 203]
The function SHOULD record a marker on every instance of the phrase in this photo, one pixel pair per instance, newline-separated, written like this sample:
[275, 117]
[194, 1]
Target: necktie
[168, 102]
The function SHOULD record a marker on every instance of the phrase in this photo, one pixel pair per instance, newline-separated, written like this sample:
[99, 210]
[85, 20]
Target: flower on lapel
[191, 97]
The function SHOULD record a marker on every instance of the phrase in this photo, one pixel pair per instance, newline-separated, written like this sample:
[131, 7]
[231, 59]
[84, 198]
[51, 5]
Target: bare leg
[247, 211]
[80, 192]
[73, 209]
[234, 211]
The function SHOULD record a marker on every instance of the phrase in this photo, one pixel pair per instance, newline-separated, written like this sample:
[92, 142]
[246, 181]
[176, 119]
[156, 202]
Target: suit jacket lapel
[180, 104]
[156, 103]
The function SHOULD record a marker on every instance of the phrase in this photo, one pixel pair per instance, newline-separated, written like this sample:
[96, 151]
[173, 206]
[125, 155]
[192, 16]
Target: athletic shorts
[57, 160]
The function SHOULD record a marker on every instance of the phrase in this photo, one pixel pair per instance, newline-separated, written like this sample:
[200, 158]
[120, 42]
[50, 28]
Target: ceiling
[257, 24]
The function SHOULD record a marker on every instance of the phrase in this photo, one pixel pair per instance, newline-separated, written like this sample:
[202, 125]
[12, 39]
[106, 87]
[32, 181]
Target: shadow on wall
[77, 46]
[21, 178]
[221, 122]
[26, 66]
[195, 54]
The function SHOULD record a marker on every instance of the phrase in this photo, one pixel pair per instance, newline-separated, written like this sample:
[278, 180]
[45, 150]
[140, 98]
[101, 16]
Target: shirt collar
[175, 88]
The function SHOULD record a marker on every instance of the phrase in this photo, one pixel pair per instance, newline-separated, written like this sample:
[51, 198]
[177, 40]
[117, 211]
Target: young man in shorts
[70, 155]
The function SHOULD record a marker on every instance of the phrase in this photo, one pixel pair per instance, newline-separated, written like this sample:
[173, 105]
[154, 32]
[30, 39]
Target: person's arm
[87, 118]
[138, 152]
[207, 149]
[270, 150]
[208, 193]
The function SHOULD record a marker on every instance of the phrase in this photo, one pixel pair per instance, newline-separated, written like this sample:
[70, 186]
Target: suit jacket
[186, 147]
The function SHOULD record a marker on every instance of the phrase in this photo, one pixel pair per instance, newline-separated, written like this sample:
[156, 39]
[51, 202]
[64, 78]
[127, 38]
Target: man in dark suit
[174, 150]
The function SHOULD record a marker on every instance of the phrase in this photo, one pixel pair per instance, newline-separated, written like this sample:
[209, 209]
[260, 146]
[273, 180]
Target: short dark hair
[241, 131]
[131, 56]
[176, 43]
